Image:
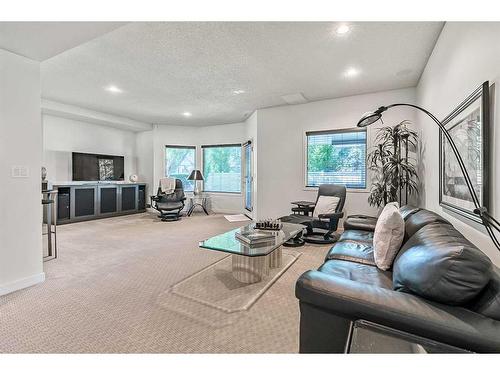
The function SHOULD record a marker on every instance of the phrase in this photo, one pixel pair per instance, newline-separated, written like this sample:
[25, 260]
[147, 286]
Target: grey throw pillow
[388, 236]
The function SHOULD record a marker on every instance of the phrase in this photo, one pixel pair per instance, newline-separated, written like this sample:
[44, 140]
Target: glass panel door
[248, 175]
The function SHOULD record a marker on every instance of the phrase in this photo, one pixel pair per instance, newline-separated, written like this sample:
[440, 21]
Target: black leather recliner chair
[169, 205]
[441, 288]
[320, 230]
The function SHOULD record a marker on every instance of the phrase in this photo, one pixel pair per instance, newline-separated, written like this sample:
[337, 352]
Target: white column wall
[20, 146]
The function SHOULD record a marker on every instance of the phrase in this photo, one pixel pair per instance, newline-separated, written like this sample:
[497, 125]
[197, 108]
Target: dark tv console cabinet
[94, 200]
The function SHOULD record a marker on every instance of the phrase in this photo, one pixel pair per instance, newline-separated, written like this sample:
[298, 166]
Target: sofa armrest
[360, 222]
[353, 300]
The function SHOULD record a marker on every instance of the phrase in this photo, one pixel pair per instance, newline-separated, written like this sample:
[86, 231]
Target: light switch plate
[20, 171]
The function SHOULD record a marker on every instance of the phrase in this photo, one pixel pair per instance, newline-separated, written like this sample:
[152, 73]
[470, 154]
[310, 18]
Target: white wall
[465, 55]
[278, 138]
[62, 136]
[191, 136]
[145, 160]
[280, 147]
[20, 145]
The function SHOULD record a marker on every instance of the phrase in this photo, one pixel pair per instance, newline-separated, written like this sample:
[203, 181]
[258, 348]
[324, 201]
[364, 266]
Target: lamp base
[197, 190]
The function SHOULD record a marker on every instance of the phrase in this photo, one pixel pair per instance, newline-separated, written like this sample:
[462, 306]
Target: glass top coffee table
[251, 262]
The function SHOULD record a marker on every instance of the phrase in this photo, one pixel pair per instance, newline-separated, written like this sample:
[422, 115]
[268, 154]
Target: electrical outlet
[20, 171]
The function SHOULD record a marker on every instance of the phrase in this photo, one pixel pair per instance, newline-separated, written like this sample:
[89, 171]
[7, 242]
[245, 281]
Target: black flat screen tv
[95, 167]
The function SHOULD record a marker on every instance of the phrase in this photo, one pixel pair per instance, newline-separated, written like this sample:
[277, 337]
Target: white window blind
[336, 157]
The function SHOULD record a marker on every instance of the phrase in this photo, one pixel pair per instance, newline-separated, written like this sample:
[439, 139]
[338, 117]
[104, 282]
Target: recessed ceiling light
[114, 89]
[186, 114]
[351, 72]
[342, 29]
[237, 92]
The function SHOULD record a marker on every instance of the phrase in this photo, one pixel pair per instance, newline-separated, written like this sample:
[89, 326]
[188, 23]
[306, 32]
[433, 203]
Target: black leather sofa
[441, 288]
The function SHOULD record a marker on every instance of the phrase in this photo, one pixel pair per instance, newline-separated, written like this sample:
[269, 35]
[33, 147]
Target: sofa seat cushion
[438, 263]
[353, 251]
[358, 236]
[358, 272]
[488, 301]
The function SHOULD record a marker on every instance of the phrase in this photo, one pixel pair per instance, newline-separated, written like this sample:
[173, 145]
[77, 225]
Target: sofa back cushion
[488, 301]
[439, 264]
[407, 211]
[415, 220]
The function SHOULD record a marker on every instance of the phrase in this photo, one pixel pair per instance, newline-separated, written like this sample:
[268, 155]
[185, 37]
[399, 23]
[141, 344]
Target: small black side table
[305, 208]
[200, 200]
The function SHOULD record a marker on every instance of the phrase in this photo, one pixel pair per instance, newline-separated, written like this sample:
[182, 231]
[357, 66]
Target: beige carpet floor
[106, 294]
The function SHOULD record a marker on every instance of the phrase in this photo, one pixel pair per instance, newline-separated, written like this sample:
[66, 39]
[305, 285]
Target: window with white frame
[222, 168]
[336, 157]
[179, 162]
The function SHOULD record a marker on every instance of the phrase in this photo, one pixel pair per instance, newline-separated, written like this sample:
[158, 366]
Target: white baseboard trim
[226, 212]
[22, 283]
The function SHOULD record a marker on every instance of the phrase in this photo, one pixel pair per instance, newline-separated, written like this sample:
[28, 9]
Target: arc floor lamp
[489, 222]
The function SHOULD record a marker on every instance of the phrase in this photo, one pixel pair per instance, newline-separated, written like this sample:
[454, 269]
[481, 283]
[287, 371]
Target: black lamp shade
[196, 175]
[368, 119]
[371, 117]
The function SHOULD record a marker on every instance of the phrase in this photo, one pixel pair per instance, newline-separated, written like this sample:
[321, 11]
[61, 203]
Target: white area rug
[216, 287]
[238, 217]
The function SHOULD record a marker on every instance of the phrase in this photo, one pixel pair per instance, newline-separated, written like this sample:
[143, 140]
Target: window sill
[228, 193]
[349, 190]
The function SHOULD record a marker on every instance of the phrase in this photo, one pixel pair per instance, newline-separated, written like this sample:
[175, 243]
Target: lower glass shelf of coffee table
[251, 263]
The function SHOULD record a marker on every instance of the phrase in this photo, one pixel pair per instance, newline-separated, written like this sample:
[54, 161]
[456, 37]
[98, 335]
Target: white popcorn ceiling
[42, 40]
[168, 68]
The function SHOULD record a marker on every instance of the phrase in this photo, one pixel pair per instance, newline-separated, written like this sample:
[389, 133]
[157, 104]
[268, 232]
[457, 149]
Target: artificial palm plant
[393, 171]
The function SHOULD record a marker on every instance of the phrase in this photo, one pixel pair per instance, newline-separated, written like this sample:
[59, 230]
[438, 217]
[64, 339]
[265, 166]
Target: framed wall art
[468, 125]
